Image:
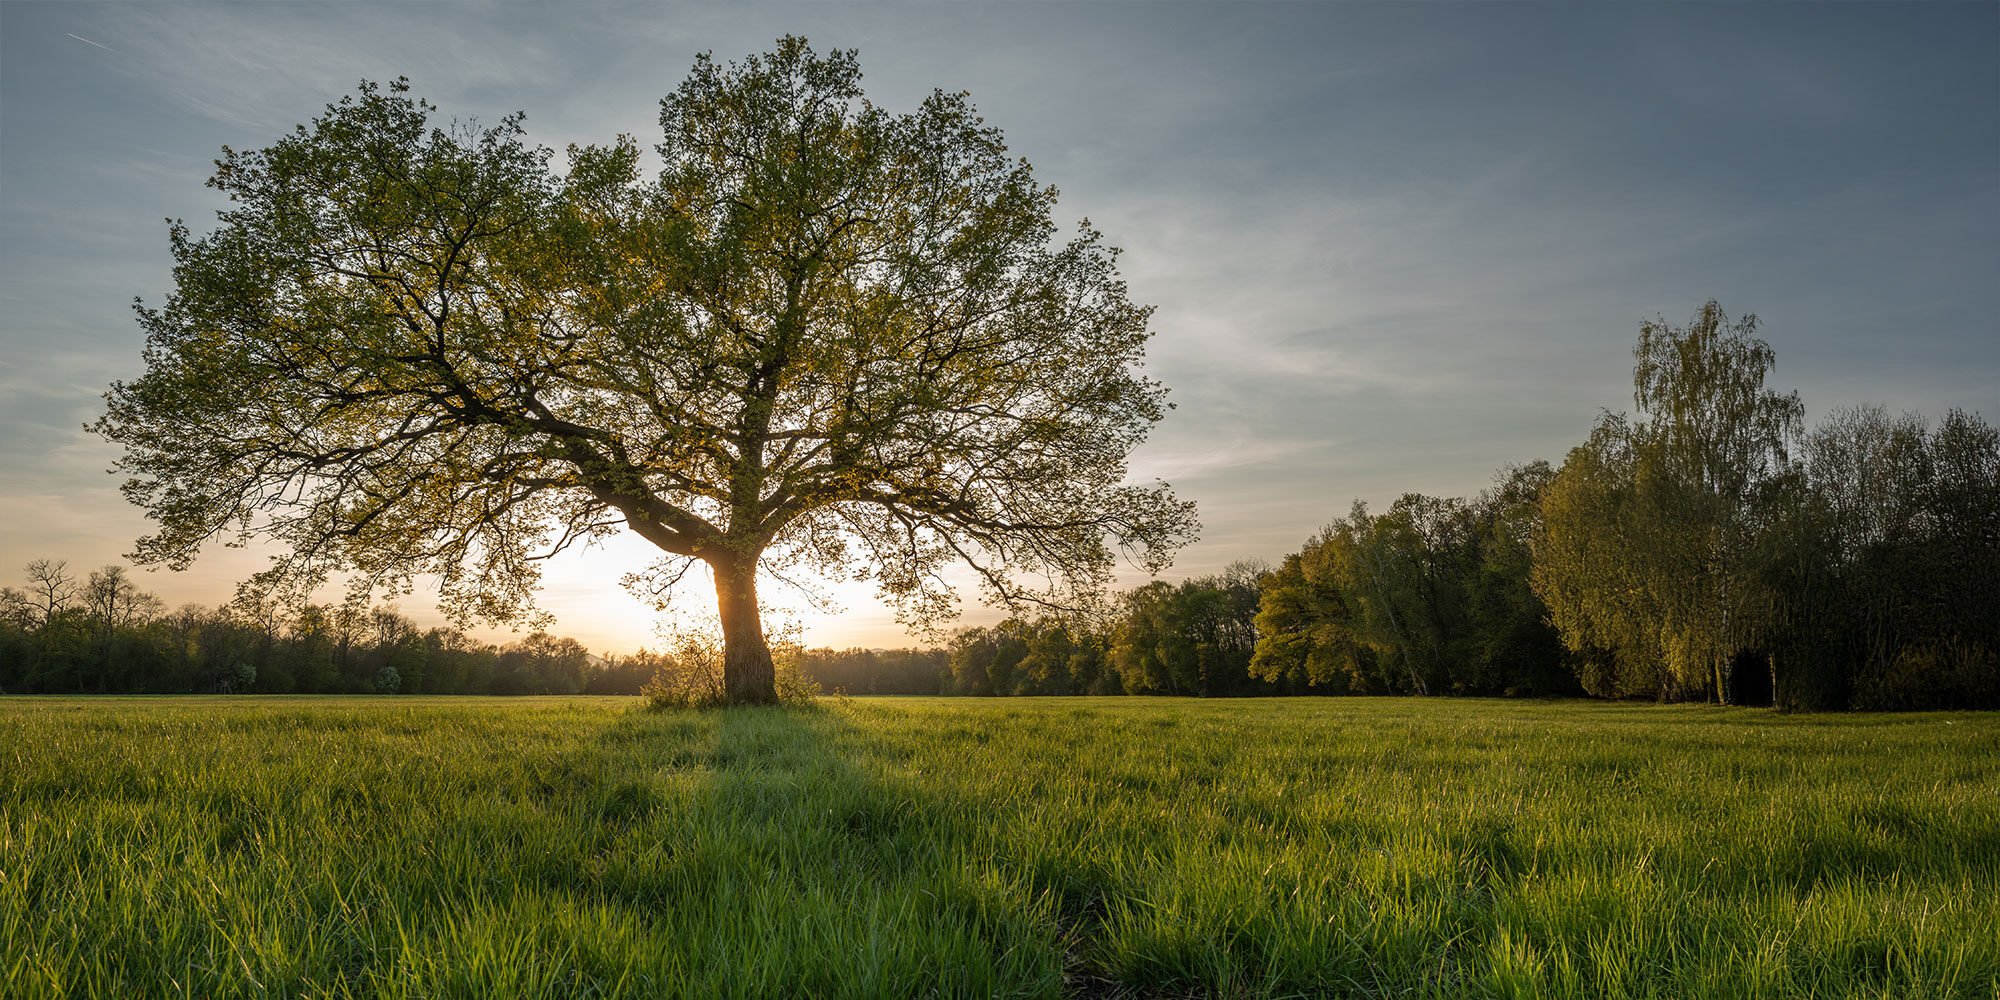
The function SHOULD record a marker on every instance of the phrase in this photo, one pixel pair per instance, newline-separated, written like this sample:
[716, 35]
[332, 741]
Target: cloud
[87, 41]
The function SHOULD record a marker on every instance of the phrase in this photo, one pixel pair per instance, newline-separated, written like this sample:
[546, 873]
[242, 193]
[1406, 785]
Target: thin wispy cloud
[87, 41]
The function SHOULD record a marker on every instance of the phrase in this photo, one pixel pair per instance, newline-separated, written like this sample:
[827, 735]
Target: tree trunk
[1772, 663]
[747, 674]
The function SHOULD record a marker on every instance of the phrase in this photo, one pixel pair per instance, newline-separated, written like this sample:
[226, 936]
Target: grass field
[575, 847]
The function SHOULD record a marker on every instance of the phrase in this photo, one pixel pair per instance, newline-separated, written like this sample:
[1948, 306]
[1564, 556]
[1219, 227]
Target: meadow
[574, 847]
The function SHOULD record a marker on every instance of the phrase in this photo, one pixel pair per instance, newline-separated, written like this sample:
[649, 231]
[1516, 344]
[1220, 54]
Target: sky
[1393, 247]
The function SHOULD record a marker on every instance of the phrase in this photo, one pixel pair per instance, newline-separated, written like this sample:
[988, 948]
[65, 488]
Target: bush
[794, 687]
[235, 678]
[690, 676]
[1931, 675]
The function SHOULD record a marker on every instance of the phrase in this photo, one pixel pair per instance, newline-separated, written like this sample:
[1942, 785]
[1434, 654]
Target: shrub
[690, 675]
[1930, 675]
[235, 678]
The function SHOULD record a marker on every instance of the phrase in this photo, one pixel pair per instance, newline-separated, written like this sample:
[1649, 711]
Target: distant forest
[1710, 547]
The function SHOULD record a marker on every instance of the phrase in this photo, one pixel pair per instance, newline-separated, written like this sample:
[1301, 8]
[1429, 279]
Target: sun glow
[582, 589]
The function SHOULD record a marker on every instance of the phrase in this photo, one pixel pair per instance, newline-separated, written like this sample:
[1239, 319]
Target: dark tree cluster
[1881, 556]
[1188, 638]
[1195, 637]
[1430, 596]
[68, 633]
[1026, 657]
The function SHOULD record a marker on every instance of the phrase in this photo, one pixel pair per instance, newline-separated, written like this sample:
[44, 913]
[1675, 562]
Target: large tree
[823, 334]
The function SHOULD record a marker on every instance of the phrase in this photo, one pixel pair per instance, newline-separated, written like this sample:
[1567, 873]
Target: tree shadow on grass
[771, 852]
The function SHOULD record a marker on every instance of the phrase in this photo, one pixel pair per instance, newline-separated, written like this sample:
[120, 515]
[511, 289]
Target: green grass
[579, 847]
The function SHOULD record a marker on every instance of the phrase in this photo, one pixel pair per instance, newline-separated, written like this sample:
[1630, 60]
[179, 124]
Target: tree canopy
[1430, 596]
[824, 335]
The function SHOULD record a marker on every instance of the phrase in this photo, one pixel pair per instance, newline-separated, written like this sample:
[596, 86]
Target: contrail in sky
[87, 41]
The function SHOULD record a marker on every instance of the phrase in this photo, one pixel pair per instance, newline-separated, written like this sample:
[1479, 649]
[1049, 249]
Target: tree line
[71, 633]
[1708, 546]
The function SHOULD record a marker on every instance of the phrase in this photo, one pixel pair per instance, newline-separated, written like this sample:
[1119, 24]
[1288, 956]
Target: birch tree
[1651, 531]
